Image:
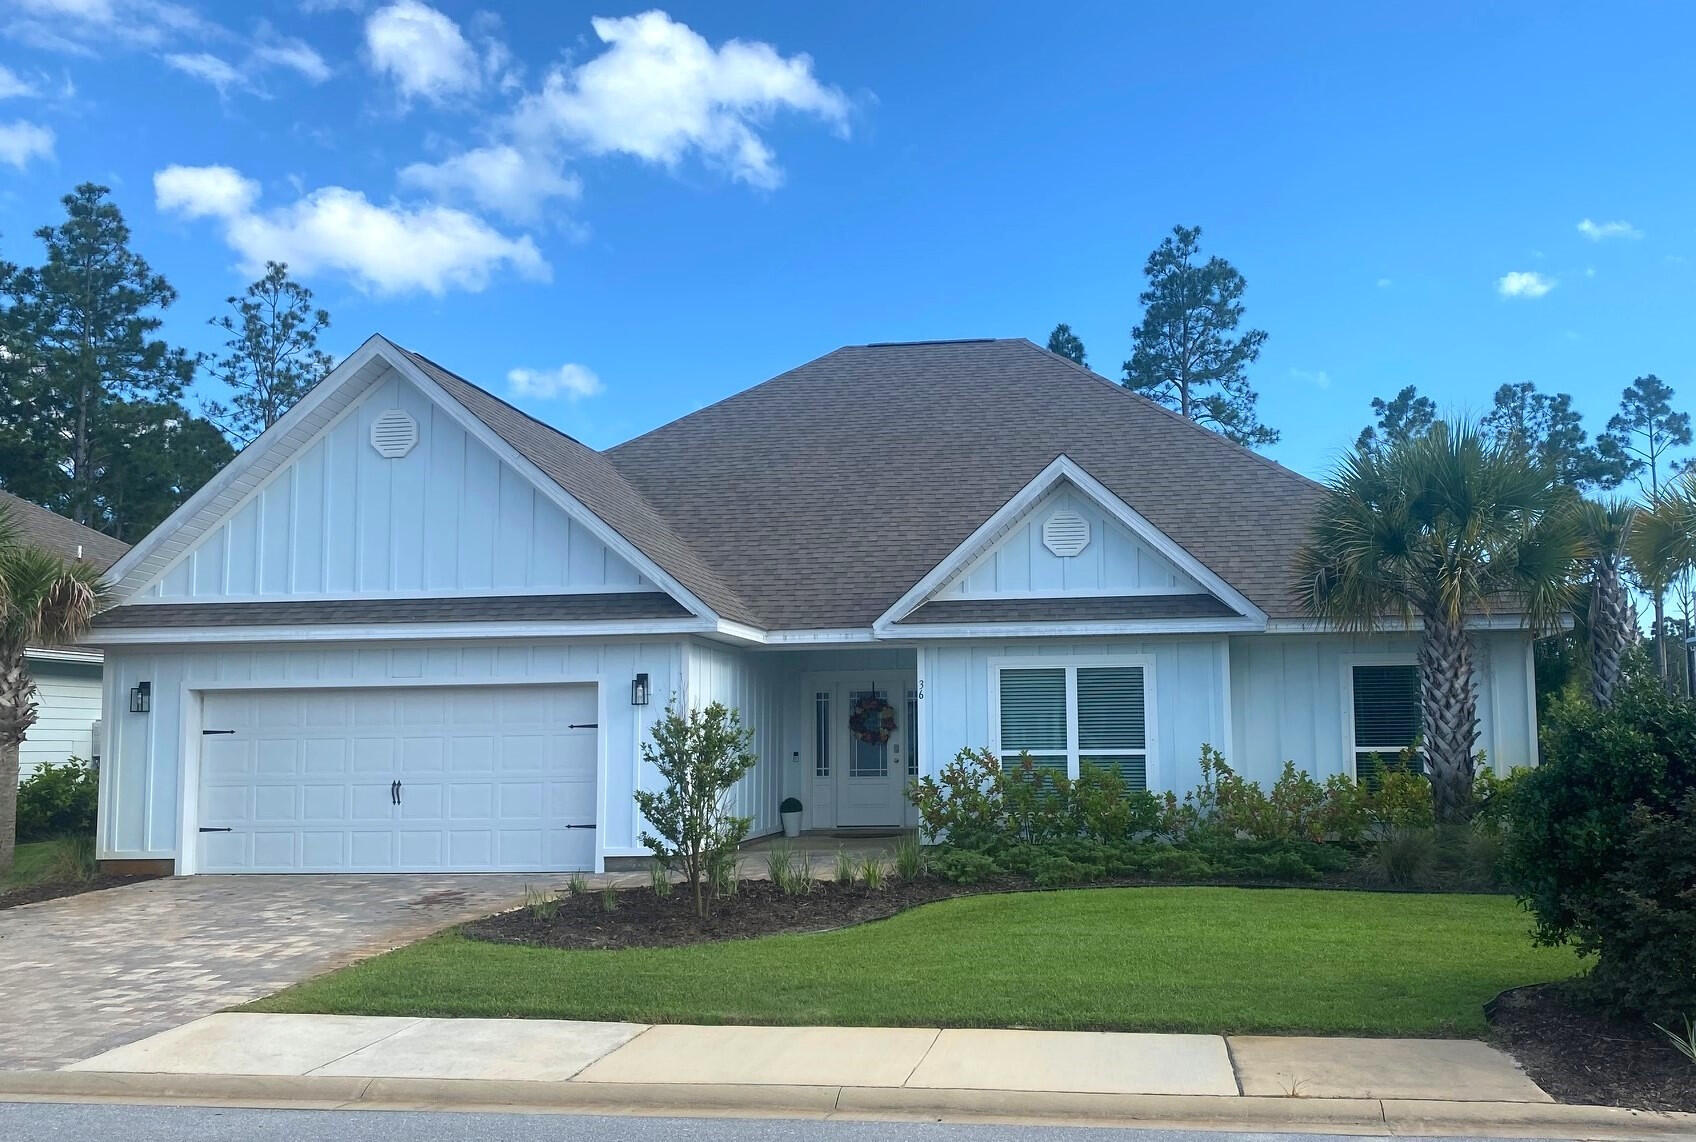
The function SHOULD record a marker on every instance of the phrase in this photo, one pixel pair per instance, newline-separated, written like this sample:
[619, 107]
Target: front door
[872, 781]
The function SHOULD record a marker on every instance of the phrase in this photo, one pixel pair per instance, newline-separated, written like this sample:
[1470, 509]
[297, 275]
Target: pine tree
[1066, 344]
[272, 357]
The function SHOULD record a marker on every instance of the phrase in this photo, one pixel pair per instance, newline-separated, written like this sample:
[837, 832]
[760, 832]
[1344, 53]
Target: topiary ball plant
[790, 805]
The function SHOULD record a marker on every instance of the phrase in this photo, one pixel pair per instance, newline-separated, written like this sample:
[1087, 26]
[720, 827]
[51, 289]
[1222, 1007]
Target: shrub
[1402, 801]
[58, 801]
[962, 866]
[700, 754]
[1051, 870]
[70, 860]
[1407, 858]
[872, 873]
[911, 862]
[1596, 841]
[977, 802]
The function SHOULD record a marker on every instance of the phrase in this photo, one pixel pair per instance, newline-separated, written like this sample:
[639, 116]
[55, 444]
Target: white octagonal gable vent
[394, 434]
[1066, 533]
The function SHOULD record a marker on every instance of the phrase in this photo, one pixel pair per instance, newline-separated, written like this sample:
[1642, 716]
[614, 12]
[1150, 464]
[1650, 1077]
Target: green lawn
[1156, 959]
[28, 863]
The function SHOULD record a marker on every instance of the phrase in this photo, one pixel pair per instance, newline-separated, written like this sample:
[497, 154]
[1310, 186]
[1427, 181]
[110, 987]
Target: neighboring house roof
[480, 608]
[64, 537]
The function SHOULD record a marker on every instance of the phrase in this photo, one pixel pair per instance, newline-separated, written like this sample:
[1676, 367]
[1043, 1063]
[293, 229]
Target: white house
[67, 679]
[411, 628]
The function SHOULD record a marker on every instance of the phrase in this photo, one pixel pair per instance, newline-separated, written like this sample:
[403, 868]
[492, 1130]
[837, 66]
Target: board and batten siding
[1115, 562]
[141, 777]
[1188, 702]
[340, 520]
[754, 686]
[1289, 691]
[67, 699]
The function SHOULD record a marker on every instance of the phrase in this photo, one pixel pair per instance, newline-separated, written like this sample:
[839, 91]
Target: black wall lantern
[141, 697]
[639, 690]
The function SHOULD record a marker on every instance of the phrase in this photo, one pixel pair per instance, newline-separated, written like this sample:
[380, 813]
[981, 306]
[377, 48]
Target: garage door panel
[489, 778]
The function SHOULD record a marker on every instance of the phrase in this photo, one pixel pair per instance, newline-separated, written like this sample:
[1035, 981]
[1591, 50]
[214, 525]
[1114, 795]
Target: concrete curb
[1202, 1112]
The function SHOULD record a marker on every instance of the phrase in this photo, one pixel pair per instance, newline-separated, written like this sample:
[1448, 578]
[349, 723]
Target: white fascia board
[388, 632]
[1481, 622]
[546, 484]
[374, 348]
[836, 636]
[923, 631]
[60, 654]
[1064, 468]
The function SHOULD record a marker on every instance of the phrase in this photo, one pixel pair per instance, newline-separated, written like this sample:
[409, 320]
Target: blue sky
[616, 216]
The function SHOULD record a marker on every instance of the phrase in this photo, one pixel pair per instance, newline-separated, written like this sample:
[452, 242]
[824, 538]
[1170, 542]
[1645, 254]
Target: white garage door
[491, 778]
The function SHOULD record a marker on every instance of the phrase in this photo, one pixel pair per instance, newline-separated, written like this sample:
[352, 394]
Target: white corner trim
[1064, 468]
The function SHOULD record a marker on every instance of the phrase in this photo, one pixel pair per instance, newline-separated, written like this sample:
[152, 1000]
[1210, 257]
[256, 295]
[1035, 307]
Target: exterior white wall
[340, 520]
[141, 780]
[67, 697]
[1188, 704]
[1288, 697]
[1115, 562]
[753, 685]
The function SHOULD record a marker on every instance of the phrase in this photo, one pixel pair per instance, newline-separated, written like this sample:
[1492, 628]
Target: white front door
[465, 778]
[871, 782]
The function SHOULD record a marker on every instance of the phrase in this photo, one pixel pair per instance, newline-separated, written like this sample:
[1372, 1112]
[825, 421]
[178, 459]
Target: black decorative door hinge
[211, 732]
[225, 829]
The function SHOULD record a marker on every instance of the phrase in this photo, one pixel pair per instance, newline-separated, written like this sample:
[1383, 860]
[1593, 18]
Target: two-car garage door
[423, 779]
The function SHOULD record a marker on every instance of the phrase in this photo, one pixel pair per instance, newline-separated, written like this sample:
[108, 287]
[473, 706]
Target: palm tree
[1662, 546]
[1607, 529]
[1434, 531]
[43, 601]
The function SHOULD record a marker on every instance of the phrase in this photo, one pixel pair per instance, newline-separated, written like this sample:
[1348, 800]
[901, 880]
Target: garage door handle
[583, 725]
[394, 792]
[577, 826]
[225, 829]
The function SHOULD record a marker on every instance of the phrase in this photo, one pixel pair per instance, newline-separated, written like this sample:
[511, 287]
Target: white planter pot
[791, 824]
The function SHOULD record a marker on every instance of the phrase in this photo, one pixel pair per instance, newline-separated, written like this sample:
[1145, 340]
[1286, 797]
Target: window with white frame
[821, 734]
[1385, 717]
[1065, 716]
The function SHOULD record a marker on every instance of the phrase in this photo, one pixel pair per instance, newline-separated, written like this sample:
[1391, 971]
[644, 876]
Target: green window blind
[1386, 707]
[1110, 708]
[1033, 709]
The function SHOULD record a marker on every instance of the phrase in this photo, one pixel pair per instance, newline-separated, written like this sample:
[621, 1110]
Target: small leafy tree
[701, 754]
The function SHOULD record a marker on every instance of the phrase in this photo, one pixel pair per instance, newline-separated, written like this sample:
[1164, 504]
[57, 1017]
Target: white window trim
[1071, 665]
[1349, 662]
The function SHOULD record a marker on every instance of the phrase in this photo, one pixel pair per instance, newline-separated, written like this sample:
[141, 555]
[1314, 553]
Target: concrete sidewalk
[1199, 1082]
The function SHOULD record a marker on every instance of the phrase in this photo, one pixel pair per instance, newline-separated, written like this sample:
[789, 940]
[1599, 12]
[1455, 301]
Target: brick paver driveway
[83, 974]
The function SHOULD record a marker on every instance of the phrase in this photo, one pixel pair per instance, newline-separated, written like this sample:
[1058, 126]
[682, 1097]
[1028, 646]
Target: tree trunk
[1661, 637]
[1450, 716]
[17, 715]
[1610, 626]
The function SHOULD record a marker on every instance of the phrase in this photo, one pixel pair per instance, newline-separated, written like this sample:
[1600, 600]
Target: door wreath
[872, 720]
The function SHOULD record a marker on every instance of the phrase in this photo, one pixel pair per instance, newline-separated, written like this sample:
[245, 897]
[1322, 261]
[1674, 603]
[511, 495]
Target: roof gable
[826, 493]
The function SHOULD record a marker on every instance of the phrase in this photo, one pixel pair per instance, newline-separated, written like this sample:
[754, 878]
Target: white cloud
[295, 55]
[510, 182]
[87, 27]
[1385, 283]
[1601, 231]
[573, 382]
[422, 51]
[384, 249]
[1524, 283]
[1319, 379]
[14, 86]
[21, 141]
[660, 92]
[207, 67]
[204, 192]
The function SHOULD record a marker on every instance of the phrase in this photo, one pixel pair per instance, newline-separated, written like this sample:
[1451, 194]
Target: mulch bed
[644, 920]
[1579, 1055]
[35, 893]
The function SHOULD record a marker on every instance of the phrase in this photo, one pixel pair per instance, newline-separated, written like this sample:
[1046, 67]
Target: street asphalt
[74, 1122]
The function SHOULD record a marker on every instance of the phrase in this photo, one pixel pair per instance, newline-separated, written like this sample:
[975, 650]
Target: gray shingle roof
[500, 608]
[64, 537]
[1100, 609]
[822, 495]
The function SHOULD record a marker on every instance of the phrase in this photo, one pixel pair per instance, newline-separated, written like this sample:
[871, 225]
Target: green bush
[1051, 870]
[58, 801]
[1402, 801]
[977, 802]
[1598, 836]
[963, 866]
[1407, 858]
